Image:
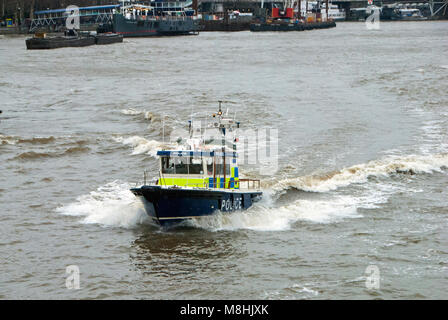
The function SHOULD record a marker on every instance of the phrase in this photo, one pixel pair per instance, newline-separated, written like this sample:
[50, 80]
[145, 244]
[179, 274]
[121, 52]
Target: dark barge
[41, 42]
[287, 20]
[222, 25]
[108, 38]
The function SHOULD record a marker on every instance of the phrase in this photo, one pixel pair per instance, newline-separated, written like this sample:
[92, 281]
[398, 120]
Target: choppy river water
[362, 180]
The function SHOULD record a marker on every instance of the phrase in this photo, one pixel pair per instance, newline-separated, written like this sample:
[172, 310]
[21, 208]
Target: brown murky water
[362, 170]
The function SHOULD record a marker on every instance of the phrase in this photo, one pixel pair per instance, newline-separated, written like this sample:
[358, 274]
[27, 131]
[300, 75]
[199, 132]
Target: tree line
[19, 10]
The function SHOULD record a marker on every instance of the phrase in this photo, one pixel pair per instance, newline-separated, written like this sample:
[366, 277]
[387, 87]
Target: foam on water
[141, 145]
[305, 290]
[135, 112]
[361, 172]
[110, 205]
[265, 217]
[114, 205]
[8, 140]
[33, 140]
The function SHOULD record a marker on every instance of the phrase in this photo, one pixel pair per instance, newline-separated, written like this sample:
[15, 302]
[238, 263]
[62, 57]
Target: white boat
[334, 12]
[408, 14]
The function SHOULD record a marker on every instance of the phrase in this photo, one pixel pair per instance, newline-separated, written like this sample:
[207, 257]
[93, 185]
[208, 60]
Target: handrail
[160, 18]
[205, 184]
[254, 182]
[251, 184]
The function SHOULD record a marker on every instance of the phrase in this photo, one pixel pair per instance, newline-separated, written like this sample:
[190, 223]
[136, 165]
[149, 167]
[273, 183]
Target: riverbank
[13, 31]
[217, 25]
[25, 30]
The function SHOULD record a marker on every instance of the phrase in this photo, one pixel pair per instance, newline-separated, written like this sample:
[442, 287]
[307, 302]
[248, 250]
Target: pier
[215, 15]
[434, 9]
[89, 16]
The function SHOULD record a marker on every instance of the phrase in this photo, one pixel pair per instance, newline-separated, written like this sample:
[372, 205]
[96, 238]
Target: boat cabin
[198, 169]
[204, 166]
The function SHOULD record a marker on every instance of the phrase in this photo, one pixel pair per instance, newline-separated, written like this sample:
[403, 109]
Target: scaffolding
[55, 18]
[437, 6]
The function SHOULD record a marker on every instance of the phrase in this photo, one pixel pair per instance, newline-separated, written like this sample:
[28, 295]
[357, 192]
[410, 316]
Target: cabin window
[220, 166]
[181, 165]
[184, 165]
[209, 163]
[195, 166]
[167, 165]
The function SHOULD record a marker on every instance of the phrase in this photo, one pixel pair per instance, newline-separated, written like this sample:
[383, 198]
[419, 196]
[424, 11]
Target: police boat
[200, 180]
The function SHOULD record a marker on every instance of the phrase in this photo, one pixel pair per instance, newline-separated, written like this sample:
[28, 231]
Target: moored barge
[286, 21]
[147, 21]
[108, 38]
[40, 41]
[71, 39]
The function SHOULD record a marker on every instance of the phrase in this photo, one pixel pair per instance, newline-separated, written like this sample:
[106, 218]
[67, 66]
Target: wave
[76, 150]
[70, 142]
[63, 141]
[359, 174]
[35, 140]
[7, 140]
[32, 155]
[135, 112]
[114, 205]
[269, 217]
[141, 145]
[110, 205]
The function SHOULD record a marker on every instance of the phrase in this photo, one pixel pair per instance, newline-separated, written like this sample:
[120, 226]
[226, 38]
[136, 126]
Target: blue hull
[168, 206]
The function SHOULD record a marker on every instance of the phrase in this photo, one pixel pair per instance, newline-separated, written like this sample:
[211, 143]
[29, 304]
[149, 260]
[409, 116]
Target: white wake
[110, 205]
